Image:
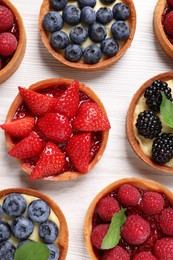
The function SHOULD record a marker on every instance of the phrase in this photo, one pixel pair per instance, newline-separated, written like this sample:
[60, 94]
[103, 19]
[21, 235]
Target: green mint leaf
[113, 235]
[32, 251]
[166, 110]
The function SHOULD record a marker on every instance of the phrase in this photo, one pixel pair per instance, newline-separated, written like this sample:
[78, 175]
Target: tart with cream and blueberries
[87, 35]
[57, 129]
[130, 219]
[12, 39]
[29, 216]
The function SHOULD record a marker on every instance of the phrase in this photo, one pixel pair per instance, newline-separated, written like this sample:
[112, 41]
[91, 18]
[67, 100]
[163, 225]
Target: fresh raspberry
[168, 23]
[152, 203]
[166, 221]
[117, 253]
[144, 256]
[135, 230]
[107, 207]
[8, 44]
[128, 195]
[98, 234]
[170, 2]
[163, 249]
[6, 19]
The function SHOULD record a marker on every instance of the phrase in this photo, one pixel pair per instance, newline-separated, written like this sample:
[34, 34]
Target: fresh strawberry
[166, 221]
[50, 163]
[20, 127]
[168, 23]
[69, 101]
[55, 126]
[78, 149]
[116, 253]
[98, 234]
[128, 195]
[163, 249]
[144, 255]
[29, 147]
[39, 104]
[90, 118]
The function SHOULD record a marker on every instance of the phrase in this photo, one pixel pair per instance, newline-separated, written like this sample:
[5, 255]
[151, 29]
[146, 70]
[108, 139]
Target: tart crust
[14, 63]
[66, 176]
[63, 231]
[129, 122]
[137, 182]
[45, 7]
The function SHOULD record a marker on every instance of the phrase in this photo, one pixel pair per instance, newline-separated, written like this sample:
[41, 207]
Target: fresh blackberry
[148, 124]
[153, 94]
[162, 148]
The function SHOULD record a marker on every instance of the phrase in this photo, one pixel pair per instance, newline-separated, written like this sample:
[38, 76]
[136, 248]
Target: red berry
[116, 253]
[163, 249]
[128, 195]
[152, 203]
[166, 221]
[170, 2]
[98, 234]
[168, 23]
[8, 44]
[107, 207]
[6, 19]
[144, 256]
[136, 230]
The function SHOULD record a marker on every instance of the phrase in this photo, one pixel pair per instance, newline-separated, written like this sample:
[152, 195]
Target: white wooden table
[115, 86]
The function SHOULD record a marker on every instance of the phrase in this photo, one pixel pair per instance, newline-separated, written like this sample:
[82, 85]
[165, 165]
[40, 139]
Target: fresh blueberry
[52, 21]
[120, 30]
[14, 205]
[92, 54]
[5, 231]
[38, 210]
[1, 211]
[23, 242]
[59, 40]
[83, 3]
[104, 15]
[58, 5]
[88, 15]
[73, 52]
[22, 227]
[71, 14]
[109, 47]
[48, 231]
[78, 34]
[121, 12]
[54, 252]
[107, 2]
[7, 250]
[97, 32]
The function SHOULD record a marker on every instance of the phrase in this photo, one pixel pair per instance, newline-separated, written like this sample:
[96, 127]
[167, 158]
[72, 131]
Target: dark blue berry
[120, 30]
[121, 12]
[104, 15]
[78, 34]
[59, 40]
[14, 205]
[48, 231]
[88, 15]
[92, 54]
[97, 32]
[73, 52]
[38, 210]
[83, 3]
[22, 227]
[5, 231]
[7, 250]
[54, 252]
[109, 47]
[52, 21]
[1, 211]
[71, 14]
[107, 2]
[58, 5]
[24, 242]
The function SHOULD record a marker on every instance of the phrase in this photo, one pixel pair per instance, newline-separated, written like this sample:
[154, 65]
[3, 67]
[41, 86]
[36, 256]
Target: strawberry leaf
[113, 235]
[166, 110]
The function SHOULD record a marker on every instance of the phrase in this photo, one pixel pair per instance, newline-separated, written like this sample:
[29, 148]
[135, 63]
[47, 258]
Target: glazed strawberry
[128, 195]
[163, 249]
[50, 163]
[136, 230]
[90, 118]
[78, 149]
[117, 253]
[20, 127]
[152, 203]
[168, 23]
[6, 19]
[39, 104]
[29, 147]
[144, 256]
[55, 126]
[8, 44]
[166, 221]
[98, 234]
[107, 207]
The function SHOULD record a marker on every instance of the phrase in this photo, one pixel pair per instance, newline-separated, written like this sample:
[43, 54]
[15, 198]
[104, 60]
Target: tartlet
[103, 63]
[17, 57]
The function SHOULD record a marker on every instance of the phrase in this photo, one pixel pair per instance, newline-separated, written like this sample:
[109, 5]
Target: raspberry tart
[12, 39]
[57, 129]
[130, 219]
[87, 35]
